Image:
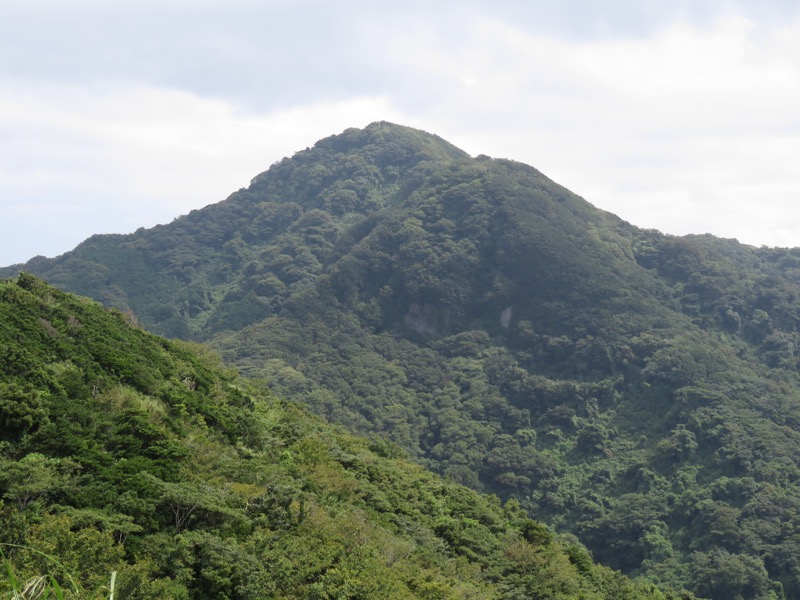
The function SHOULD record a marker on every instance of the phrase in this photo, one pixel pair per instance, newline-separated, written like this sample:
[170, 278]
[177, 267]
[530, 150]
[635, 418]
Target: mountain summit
[636, 390]
[236, 262]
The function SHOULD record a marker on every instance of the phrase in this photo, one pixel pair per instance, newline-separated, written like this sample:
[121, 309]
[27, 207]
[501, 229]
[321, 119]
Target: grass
[44, 587]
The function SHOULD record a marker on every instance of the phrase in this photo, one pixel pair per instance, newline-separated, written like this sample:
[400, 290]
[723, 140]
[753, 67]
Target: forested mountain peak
[388, 145]
[637, 390]
[236, 262]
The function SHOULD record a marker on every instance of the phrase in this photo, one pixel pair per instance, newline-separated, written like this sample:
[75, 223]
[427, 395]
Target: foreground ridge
[127, 454]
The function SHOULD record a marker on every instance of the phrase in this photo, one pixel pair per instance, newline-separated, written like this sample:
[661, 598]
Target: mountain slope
[634, 389]
[129, 453]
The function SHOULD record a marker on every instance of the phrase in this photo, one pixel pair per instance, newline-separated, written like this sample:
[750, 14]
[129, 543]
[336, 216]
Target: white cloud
[114, 158]
[127, 118]
[691, 130]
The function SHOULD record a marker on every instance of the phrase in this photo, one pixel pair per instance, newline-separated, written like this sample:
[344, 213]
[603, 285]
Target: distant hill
[634, 389]
[125, 453]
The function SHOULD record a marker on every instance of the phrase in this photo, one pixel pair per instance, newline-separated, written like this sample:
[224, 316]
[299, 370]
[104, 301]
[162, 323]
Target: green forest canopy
[633, 389]
[122, 452]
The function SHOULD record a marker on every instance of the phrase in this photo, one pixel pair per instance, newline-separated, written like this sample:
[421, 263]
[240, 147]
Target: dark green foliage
[127, 454]
[636, 390]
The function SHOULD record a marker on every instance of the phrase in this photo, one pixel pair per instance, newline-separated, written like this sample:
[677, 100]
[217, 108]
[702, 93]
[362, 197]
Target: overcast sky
[680, 115]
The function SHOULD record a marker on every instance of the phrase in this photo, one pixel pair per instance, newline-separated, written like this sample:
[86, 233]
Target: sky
[678, 115]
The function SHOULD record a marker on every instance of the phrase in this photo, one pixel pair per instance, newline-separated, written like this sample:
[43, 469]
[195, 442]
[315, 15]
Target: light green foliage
[144, 463]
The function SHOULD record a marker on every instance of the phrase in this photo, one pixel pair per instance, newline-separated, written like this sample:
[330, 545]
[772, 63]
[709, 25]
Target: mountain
[125, 453]
[636, 390]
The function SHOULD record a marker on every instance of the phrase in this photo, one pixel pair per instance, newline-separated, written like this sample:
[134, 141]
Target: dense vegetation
[123, 452]
[636, 390]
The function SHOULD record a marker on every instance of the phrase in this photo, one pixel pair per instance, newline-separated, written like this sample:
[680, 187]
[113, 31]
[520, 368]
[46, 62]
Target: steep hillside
[125, 453]
[636, 390]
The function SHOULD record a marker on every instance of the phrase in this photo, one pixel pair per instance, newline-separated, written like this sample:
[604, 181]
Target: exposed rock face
[421, 318]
